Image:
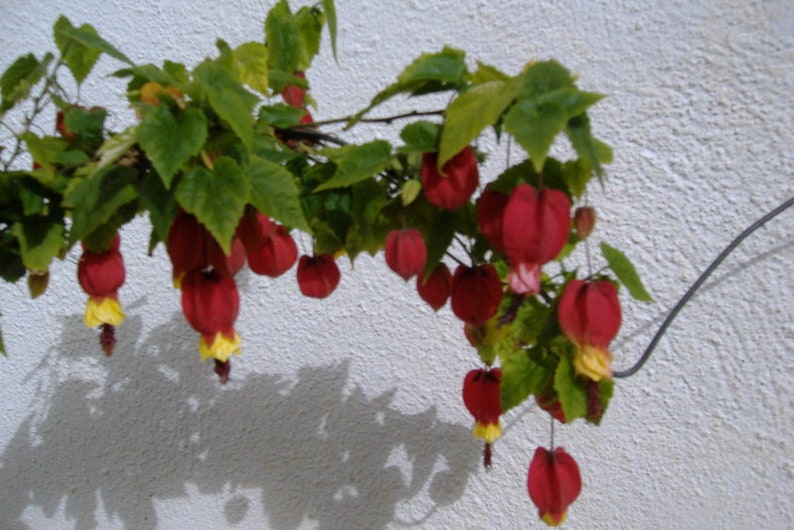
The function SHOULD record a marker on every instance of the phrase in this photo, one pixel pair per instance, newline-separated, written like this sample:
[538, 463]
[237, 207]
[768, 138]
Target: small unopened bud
[584, 219]
[37, 282]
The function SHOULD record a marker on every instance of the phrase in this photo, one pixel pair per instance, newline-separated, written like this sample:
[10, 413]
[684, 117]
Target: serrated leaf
[95, 200]
[275, 193]
[283, 40]
[355, 163]
[626, 273]
[535, 127]
[471, 112]
[281, 115]
[571, 390]
[40, 240]
[169, 141]
[233, 103]
[486, 73]
[586, 146]
[20, 77]
[116, 146]
[430, 72]
[521, 377]
[251, 62]
[160, 204]
[420, 137]
[87, 36]
[573, 100]
[217, 198]
[330, 14]
[309, 21]
[79, 57]
[543, 77]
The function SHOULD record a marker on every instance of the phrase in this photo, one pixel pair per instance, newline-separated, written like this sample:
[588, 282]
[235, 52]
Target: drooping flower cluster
[101, 274]
[482, 399]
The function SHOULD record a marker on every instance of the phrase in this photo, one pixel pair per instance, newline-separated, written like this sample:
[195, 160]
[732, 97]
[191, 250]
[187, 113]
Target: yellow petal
[104, 311]
[490, 433]
[593, 363]
[222, 347]
[554, 520]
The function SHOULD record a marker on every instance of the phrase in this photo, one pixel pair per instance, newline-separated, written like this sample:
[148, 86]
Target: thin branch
[698, 284]
[387, 119]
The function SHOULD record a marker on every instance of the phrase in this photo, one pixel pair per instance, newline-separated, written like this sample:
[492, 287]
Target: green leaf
[169, 141]
[576, 174]
[535, 127]
[79, 57]
[44, 150]
[625, 272]
[368, 230]
[217, 198]
[251, 61]
[471, 112]
[410, 191]
[428, 73]
[281, 115]
[330, 14]
[486, 73]
[521, 377]
[40, 240]
[420, 137]
[573, 100]
[543, 77]
[233, 103]
[309, 21]
[88, 126]
[117, 146]
[586, 146]
[160, 204]
[86, 36]
[96, 199]
[283, 39]
[275, 193]
[571, 390]
[356, 162]
[20, 78]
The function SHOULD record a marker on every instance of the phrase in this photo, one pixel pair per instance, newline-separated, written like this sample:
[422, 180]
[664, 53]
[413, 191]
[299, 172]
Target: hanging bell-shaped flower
[454, 185]
[490, 215]
[318, 275]
[553, 483]
[435, 288]
[483, 401]
[589, 315]
[476, 293]
[210, 302]
[405, 252]
[535, 224]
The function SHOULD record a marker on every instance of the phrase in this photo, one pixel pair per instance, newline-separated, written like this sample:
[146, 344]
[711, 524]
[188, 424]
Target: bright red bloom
[435, 288]
[482, 399]
[294, 95]
[476, 293]
[535, 224]
[553, 483]
[589, 315]
[318, 275]
[490, 212]
[276, 255]
[192, 247]
[210, 302]
[101, 275]
[454, 185]
[405, 252]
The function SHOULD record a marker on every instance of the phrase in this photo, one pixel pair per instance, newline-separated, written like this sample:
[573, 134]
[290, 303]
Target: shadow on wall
[315, 447]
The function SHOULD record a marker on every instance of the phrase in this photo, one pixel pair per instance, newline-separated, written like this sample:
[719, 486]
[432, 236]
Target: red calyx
[276, 254]
[476, 293]
[318, 275]
[490, 211]
[210, 302]
[553, 483]
[405, 252]
[547, 400]
[481, 395]
[192, 247]
[454, 185]
[535, 224]
[101, 274]
[294, 95]
[435, 288]
[589, 312]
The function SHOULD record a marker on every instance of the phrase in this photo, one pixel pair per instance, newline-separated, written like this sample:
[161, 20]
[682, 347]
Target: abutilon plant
[553, 483]
[270, 249]
[589, 315]
[453, 186]
[101, 274]
[318, 275]
[476, 293]
[435, 288]
[482, 399]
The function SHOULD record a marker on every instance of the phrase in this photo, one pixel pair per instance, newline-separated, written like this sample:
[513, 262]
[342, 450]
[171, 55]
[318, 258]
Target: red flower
[294, 95]
[490, 212]
[101, 275]
[270, 248]
[210, 302]
[535, 224]
[553, 483]
[405, 252]
[318, 276]
[476, 293]
[435, 288]
[589, 315]
[481, 397]
[192, 247]
[455, 184]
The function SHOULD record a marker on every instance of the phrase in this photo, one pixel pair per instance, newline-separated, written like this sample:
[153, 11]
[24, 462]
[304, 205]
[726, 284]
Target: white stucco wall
[345, 413]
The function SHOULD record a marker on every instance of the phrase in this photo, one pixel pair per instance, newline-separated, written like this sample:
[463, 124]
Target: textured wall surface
[345, 413]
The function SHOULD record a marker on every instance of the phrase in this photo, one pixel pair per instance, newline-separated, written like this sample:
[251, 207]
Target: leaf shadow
[154, 428]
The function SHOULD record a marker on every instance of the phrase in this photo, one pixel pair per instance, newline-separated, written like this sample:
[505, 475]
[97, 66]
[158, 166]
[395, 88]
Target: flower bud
[405, 252]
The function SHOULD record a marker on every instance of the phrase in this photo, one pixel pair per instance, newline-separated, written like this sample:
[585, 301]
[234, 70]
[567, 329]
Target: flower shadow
[153, 428]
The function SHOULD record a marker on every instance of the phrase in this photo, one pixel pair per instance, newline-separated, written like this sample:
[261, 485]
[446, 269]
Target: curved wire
[698, 283]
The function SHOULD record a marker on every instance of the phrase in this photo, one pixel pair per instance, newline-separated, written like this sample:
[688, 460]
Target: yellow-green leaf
[275, 193]
[535, 127]
[170, 141]
[251, 61]
[626, 273]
